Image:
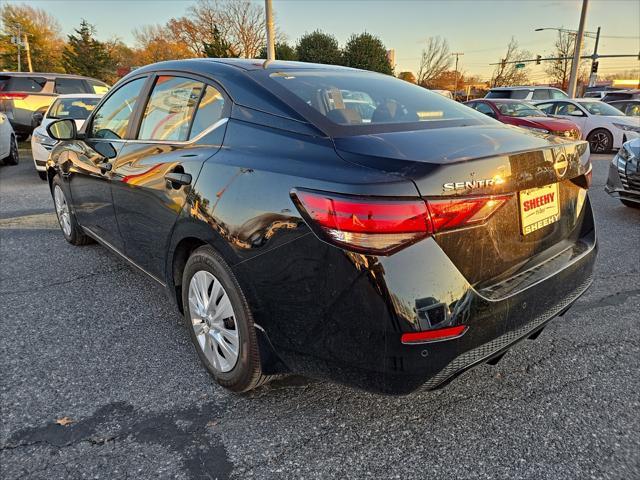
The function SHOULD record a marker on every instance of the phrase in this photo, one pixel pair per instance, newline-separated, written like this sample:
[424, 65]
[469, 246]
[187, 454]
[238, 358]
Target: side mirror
[64, 129]
[576, 113]
[36, 119]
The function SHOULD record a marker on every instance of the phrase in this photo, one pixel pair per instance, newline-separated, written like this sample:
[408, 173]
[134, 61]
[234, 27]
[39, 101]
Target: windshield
[519, 110]
[74, 108]
[358, 98]
[601, 108]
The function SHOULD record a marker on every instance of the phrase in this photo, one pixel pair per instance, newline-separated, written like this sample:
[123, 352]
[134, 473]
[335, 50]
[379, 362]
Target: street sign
[519, 65]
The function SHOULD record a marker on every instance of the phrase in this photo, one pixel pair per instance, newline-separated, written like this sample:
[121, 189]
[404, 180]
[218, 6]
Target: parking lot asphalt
[89, 342]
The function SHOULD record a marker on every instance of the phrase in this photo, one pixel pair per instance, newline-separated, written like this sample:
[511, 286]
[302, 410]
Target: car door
[181, 126]
[90, 161]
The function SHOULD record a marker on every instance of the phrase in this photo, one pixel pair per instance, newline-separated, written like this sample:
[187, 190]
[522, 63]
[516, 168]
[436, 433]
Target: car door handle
[177, 180]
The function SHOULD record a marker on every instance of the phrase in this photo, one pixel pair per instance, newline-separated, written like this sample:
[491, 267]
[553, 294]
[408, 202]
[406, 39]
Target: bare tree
[506, 73]
[559, 70]
[245, 23]
[435, 59]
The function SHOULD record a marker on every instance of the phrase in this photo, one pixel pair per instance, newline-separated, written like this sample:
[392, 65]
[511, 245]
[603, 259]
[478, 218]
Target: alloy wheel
[213, 321]
[62, 210]
[599, 142]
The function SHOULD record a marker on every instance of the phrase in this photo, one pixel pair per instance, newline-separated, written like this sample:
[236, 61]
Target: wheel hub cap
[62, 210]
[213, 321]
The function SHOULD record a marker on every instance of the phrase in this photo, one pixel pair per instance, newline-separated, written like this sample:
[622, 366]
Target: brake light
[450, 213]
[13, 96]
[379, 225]
[437, 335]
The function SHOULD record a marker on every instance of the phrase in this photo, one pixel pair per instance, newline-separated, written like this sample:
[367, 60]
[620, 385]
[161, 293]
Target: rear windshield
[21, 84]
[517, 109]
[618, 96]
[75, 108]
[517, 94]
[601, 108]
[370, 99]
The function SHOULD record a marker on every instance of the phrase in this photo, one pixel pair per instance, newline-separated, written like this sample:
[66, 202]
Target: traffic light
[594, 67]
[538, 58]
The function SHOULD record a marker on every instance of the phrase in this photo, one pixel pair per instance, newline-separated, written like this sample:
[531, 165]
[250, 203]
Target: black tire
[42, 175]
[14, 155]
[247, 372]
[630, 204]
[600, 141]
[75, 235]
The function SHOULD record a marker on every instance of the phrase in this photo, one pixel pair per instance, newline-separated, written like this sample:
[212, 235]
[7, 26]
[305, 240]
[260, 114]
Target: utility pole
[17, 39]
[27, 49]
[575, 64]
[455, 88]
[271, 48]
[594, 61]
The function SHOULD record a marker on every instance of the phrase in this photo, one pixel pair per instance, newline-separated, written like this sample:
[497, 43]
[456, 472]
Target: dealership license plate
[539, 207]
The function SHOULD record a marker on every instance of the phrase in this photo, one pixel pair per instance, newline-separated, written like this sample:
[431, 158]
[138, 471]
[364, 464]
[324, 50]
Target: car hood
[444, 145]
[548, 123]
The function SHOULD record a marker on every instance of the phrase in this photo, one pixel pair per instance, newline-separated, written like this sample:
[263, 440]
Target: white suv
[527, 93]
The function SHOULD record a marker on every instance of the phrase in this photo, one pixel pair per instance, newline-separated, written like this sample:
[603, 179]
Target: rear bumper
[340, 316]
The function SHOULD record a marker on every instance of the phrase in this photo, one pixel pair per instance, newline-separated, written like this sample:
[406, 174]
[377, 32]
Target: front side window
[347, 98]
[74, 108]
[70, 85]
[170, 109]
[112, 119]
[565, 108]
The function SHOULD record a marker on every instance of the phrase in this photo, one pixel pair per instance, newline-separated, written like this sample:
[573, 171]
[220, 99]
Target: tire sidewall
[205, 258]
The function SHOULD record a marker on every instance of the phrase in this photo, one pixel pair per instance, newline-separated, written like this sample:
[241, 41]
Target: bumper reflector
[437, 335]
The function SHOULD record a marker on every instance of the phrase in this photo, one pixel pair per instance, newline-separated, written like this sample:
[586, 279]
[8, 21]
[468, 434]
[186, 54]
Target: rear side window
[498, 94]
[22, 84]
[209, 111]
[70, 85]
[112, 118]
[170, 109]
[541, 94]
[97, 86]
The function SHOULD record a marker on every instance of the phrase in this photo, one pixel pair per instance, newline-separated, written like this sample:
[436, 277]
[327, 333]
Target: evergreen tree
[284, 51]
[219, 47]
[84, 55]
[367, 52]
[319, 47]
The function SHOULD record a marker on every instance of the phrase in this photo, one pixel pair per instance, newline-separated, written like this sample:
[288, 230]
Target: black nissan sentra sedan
[326, 221]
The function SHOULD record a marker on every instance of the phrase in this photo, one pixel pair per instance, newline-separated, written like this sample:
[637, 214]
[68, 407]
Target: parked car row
[24, 94]
[623, 181]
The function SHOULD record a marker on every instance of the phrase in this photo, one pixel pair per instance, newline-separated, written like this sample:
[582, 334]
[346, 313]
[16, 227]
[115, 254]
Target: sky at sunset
[480, 29]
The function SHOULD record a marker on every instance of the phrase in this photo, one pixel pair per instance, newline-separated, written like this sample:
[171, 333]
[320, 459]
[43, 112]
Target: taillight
[450, 213]
[383, 226]
[13, 96]
[365, 224]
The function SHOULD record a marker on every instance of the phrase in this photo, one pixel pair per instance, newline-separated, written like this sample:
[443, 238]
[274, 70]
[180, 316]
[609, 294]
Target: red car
[525, 115]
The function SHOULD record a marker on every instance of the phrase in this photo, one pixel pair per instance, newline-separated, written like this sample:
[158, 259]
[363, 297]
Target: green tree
[284, 51]
[319, 47]
[367, 52]
[219, 47]
[84, 55]
[41, 30]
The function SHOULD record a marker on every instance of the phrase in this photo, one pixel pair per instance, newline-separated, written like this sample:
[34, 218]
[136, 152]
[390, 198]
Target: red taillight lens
[436, 335]
[367, 224]
[384, 225]
[13, 96]
[450, 213]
